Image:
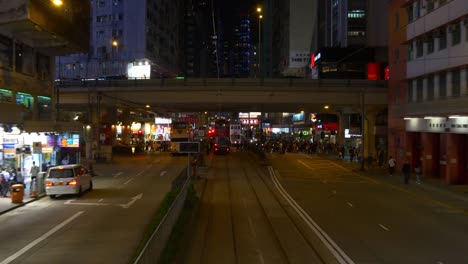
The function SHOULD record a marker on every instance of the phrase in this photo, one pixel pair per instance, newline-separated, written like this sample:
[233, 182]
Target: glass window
[442, 39]
[410, 13]
[410, 91]
[44, 107]
[419, 48]
[430, 44]
[430, 5]
[456, 33]
[25, 100]
[419, 90]
[430, 87]
[100, 3]
[6, 50]
[6, 96]
[456, 83]
[442, 85]
[410, 50]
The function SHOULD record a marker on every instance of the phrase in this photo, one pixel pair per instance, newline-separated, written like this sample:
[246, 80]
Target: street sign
[189, 147]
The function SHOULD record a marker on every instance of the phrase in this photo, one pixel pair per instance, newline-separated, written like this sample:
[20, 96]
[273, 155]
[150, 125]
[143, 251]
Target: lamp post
[259, 11]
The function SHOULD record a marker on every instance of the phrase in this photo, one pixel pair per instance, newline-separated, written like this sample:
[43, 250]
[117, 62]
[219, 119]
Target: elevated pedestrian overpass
[225, 95]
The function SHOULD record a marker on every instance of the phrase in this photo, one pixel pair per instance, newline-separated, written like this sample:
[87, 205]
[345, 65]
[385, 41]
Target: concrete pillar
[427, 163]
[341, 128]
[369, 133]
[452, 176]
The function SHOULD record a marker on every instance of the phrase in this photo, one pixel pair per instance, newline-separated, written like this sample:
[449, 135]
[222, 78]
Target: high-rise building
[428, 113]
[138, 39]
[241, 49]
[287, 36]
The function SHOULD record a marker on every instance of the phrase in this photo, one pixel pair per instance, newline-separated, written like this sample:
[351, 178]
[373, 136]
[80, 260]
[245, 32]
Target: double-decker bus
[180, 132]
[221, 128]
[235, 134]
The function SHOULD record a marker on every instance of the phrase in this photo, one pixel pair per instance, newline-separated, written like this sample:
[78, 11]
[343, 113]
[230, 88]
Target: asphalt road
[375, 219]
[103, 226]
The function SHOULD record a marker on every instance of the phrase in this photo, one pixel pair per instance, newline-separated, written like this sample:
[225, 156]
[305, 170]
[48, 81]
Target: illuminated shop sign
[72, 141]
[298, 117]
[249, 121]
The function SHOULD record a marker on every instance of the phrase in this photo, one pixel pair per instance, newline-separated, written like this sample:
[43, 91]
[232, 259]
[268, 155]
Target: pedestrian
[351, 154]
[4, 184]
[391, 165]
[342, 152]
[34, 173]
[406, 171]
[418, 172]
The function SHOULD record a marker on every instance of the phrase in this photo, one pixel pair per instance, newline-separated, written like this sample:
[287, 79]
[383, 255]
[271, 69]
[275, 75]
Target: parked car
[221, 145]
[68, 179]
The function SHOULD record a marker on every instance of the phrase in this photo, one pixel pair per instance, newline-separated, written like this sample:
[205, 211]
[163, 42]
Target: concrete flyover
[226, 95]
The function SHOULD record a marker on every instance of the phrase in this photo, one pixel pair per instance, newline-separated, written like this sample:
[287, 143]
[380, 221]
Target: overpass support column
[126, 126]
[369, 134]
[341, 128]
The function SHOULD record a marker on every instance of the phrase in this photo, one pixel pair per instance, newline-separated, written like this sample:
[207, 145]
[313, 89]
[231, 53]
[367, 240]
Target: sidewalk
[6, 204]
[432, 186]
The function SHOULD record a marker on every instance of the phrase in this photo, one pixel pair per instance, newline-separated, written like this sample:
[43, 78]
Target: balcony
[52, 30]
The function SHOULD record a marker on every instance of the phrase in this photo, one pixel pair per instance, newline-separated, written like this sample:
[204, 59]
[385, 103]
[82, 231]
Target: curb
[22, 204]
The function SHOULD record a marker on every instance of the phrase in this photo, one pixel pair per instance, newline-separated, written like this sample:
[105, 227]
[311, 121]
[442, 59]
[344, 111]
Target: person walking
[351, 154]
[391, 165]
[34, 173]
[418, 172]
[406, 171]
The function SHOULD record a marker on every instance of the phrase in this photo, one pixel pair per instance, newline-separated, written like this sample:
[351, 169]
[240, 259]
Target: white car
[68, 179]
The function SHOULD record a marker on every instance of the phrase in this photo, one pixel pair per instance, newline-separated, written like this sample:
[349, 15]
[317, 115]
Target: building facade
[134, 39]
[428, 114]
[32, 33]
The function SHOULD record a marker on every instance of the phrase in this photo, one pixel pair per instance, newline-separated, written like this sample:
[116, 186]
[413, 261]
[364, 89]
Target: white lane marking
[134, 199]
[100, 200]
[78, 203]
[38, 240]
[162, 173]
[439, 262]
[139, 173]
[118, 174]
[260, 256]
[350, 204]
[383, 227]
[339, 254]
[129, 180]
[305, 164]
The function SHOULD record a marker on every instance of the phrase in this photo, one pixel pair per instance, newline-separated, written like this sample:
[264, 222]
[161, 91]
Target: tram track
[242, 220]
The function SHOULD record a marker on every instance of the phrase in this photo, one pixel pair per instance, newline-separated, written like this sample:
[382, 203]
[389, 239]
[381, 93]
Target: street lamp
[57, 2]
[259, 11]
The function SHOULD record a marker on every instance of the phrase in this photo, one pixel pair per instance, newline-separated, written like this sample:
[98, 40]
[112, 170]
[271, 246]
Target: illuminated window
[356, 14]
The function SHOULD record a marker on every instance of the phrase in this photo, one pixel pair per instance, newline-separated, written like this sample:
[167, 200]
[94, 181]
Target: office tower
[134, 39]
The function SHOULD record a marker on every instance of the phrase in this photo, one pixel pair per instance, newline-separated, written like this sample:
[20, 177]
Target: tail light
[72, 183]
[49, 184]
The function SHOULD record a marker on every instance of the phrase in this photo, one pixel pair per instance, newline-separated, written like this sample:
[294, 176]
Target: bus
[235, 134]
[180, 132]
[221, 128]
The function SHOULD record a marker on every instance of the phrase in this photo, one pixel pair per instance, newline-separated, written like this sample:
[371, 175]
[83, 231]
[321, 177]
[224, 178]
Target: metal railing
[155, 245]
